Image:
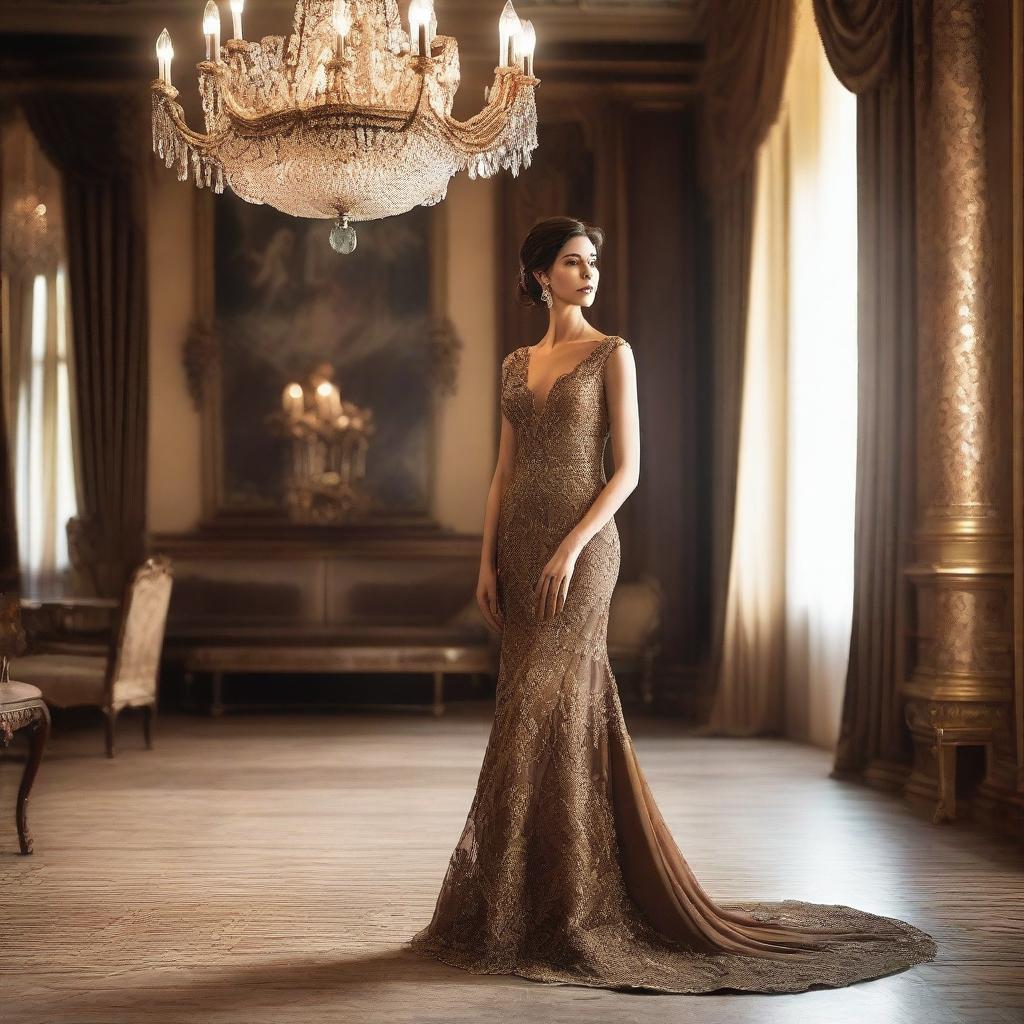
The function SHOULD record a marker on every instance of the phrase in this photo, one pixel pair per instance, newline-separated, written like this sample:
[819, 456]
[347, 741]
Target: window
[36, 362]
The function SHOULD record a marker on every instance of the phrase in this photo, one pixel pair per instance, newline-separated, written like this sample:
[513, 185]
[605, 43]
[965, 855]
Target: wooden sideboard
[279, 599]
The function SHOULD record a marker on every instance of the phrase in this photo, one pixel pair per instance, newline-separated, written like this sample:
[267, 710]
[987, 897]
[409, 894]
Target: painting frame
[203, 362]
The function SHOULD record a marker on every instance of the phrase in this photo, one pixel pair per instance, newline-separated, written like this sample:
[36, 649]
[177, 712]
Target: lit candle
[323, 390]
[419, 19]
[293, 402]
[527, 43]
[508, 29]
[164, 53]
[211, 29]
[342, 25]
[236, 18]
[433, 25]
[328, 401]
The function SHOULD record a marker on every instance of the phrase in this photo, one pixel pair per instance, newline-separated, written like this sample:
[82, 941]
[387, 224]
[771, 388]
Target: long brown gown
[566, 871]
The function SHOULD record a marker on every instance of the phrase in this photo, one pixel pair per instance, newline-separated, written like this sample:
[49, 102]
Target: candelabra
[329, 440]
[349, 117]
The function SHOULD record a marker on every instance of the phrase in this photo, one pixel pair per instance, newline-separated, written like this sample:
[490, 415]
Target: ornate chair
[634, 625]
[125, 676]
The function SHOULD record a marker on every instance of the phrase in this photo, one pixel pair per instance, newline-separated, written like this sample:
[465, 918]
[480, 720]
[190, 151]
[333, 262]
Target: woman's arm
[487, 581]
[624, 416]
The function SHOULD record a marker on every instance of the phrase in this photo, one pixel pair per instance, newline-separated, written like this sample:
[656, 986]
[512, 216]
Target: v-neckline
[562, 376]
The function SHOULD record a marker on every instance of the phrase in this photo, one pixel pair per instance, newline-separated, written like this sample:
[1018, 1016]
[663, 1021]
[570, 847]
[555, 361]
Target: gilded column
[960, 689]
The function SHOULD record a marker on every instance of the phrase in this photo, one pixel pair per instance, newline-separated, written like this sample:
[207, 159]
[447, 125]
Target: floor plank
[268, 868]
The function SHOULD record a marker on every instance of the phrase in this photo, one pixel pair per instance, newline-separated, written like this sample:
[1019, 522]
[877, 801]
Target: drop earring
[546, 296]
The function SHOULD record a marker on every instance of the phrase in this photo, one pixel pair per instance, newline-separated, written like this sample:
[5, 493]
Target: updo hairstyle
[540, 248]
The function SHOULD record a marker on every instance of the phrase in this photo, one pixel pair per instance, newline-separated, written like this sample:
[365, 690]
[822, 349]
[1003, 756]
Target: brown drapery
[861, 39]
[89, 138]
[10, 575]
[869, 46]
[748, 49]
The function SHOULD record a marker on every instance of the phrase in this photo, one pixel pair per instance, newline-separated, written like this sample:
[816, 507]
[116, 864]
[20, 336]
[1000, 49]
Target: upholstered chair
[634, 626]
[125, 676]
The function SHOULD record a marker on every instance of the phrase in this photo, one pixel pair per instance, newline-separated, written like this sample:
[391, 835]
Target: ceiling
[634, 21]
[645, 42]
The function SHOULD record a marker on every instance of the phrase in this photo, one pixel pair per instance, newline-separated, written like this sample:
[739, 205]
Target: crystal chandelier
[31, 237]
[349, 117]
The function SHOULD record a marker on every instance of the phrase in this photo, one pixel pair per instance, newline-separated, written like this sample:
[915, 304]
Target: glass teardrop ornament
[343, 237]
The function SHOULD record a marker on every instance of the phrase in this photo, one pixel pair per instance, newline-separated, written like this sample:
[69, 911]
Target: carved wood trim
[18, 717]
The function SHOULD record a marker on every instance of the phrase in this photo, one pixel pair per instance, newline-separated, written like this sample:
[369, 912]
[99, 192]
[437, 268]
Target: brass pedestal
[939, 729]
[961, 690]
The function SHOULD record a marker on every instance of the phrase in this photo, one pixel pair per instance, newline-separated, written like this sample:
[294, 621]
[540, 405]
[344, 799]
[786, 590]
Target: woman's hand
[554, 580]
[487, 598]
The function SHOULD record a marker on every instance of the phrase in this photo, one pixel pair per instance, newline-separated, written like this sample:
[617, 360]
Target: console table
[434, 656]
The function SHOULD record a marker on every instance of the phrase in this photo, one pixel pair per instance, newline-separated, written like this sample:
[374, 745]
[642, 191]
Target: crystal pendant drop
[343, 237]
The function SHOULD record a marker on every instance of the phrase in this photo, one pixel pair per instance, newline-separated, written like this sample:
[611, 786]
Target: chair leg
[217, 694]
[111, 715]
[148, 718]
[647, 678]
[438, 705]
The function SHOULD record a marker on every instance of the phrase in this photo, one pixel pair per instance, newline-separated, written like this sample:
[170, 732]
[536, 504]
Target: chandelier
[31, 236]
[349, 117]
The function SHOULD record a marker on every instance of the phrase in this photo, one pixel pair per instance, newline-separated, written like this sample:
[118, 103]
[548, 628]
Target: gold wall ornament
[329, 441]
[349, 117]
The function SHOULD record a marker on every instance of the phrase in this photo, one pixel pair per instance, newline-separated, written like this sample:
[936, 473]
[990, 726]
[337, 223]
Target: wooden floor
[268, 868]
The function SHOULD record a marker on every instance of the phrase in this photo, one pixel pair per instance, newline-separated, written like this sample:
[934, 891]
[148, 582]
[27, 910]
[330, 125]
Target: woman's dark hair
[540, 248]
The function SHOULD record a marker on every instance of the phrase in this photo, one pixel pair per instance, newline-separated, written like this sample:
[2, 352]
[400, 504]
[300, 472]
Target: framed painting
[276, 306]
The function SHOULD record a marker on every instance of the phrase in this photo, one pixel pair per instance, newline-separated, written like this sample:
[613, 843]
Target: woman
[566, 871]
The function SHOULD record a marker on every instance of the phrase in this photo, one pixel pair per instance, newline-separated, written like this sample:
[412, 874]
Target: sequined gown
[565, 871]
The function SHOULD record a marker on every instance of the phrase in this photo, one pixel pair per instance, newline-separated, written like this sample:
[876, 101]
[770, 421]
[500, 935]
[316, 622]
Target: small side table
[22, 707]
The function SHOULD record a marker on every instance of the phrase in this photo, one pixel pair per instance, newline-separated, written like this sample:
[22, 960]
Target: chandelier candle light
[349, 117]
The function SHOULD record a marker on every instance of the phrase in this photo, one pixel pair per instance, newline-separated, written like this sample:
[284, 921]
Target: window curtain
[42, 449]
[870, 49]
[749, 695]
[10, 573]
[747, 53]
[106, 251]
[789, 601]
[10, 576]
[36, 385]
